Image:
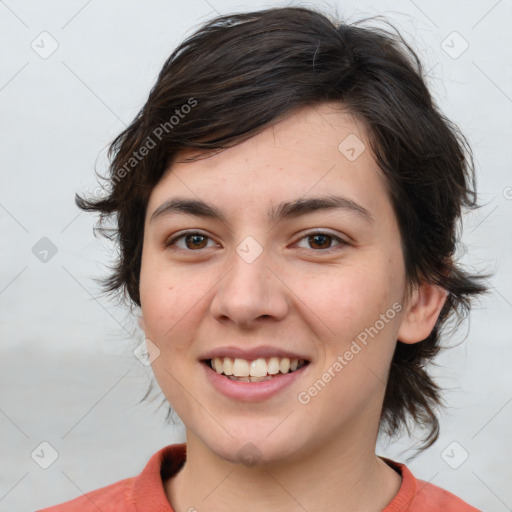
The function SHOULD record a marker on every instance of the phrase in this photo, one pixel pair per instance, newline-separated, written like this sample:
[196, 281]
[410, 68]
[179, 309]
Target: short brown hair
[238, 74]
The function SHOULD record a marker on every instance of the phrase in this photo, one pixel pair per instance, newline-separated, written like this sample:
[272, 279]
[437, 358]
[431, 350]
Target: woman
[286, 204]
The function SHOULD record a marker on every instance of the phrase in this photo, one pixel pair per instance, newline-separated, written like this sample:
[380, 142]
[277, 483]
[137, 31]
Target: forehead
[317, 130]
[318, 150]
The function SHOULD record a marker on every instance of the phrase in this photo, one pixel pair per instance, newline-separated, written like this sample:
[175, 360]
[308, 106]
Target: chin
[252, 447]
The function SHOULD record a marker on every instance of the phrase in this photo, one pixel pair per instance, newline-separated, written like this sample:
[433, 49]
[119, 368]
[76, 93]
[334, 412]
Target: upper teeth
[256, 368]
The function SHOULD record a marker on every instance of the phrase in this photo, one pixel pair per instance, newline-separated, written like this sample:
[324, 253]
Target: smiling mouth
[257, 370]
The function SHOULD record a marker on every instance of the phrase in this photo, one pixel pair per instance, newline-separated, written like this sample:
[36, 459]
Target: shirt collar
[149, 491]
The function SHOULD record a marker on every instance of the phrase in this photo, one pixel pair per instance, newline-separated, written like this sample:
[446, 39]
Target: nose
[251, 292]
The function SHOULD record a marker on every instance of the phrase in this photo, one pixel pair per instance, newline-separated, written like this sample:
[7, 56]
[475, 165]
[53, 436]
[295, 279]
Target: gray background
[68, 376]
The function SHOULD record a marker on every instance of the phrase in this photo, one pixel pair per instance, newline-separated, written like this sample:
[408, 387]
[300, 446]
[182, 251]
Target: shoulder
[419, 496]
[143, 492]
[115, 497]
[429, 496]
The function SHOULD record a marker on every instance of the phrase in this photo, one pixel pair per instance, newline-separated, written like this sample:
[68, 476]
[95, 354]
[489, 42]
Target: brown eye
[322, 241]
[193, 241]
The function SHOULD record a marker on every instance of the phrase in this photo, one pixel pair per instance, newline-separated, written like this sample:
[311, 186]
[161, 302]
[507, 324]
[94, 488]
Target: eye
[322, 239]
[192, 239]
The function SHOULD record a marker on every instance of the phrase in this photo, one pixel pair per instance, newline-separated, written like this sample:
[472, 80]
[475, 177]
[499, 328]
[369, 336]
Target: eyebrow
[283, 211]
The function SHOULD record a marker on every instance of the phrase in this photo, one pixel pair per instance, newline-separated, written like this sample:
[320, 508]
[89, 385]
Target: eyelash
[173, 241]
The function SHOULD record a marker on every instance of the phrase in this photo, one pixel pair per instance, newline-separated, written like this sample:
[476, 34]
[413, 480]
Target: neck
[333, 475]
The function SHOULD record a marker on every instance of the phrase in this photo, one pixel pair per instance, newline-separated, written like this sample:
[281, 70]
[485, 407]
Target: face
[320, 284]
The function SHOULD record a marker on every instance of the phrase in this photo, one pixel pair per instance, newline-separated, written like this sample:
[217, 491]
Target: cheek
[360, 309]
[167, 298]
[352, 299]
[359, 348]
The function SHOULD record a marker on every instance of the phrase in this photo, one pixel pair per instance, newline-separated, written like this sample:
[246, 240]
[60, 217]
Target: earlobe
[422, 312]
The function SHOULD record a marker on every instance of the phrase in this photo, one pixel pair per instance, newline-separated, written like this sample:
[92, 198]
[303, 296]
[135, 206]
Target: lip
[251, 353]
[251, 391]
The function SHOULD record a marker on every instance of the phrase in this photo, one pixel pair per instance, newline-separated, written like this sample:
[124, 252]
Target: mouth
[255, 370]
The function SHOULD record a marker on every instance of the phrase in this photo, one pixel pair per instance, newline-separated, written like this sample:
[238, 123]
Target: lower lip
[251, 391]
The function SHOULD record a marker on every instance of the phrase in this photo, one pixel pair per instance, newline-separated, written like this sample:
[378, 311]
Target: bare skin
[298, 295]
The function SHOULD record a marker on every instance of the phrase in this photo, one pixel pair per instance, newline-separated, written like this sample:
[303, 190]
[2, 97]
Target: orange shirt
[146, 493]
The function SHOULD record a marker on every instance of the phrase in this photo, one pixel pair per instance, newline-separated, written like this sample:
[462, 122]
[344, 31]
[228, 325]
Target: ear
[421, 313]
